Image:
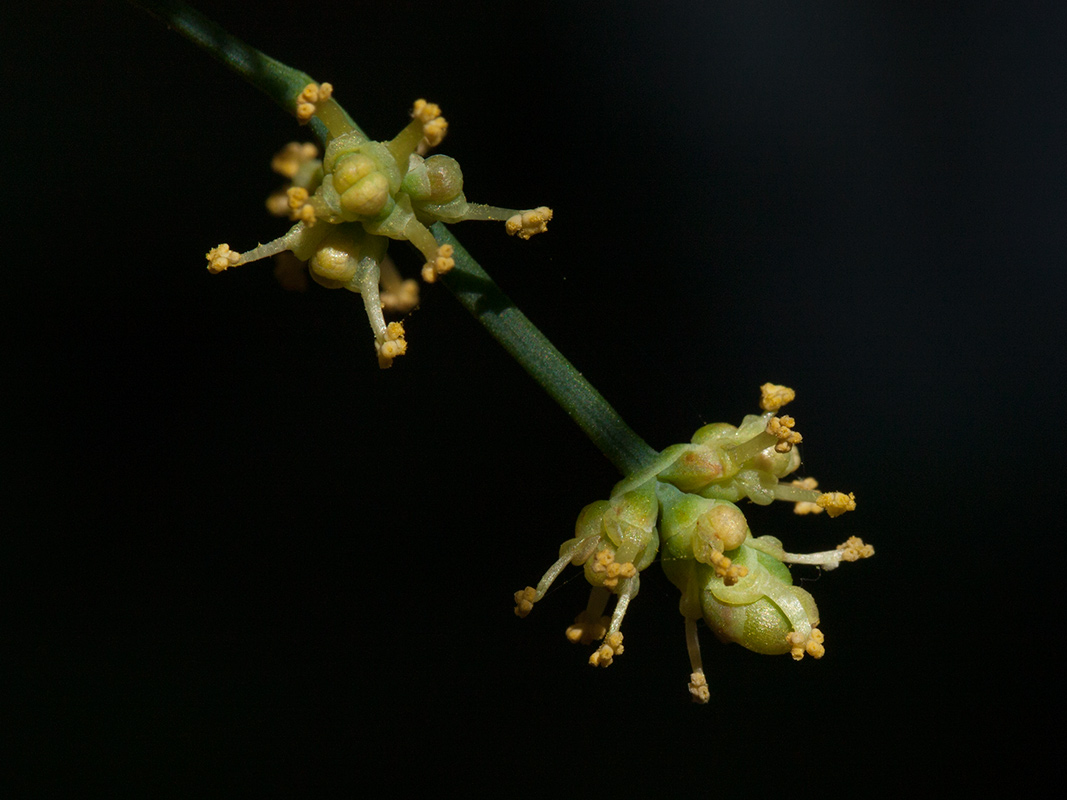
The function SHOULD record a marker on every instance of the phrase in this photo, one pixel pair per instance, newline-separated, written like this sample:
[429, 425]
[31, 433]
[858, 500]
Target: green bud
[763, 609]
[730, 463]
[334, 262]
[386, 188]
[437, 179]
[366, 197]
[625, 530]
[350, 169]
[744, 593]
[694, 467]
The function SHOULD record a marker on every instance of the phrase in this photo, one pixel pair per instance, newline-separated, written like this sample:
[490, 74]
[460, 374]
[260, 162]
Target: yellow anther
[855, 549]
[725, 568]
[602, 560]
[299, 208]
[289, 159]
[297, 196]
[529, 223]
[773, 396]
[615, 570]
[401, 299]
[309, 96]
[434, 126]
[606, 565]
[812, 644]
[434, 131]
[442, 263]
[393, 346]
[425, 112]
[698, 687]
[524, 601]
[782, 428]
[587, 629]
[837, 503]
[221, 258]
[606, 653]
[602, 657]
[806, 506]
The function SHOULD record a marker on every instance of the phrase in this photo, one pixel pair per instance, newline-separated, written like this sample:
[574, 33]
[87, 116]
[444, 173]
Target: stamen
[837, 503]
[591, 624]
[808, 506]
[729, 572]
[605, 654]
[299, 207]
[741, 453]
[441, 264]
[698, 684]
[221, 258]
[612, 570]
[854, 549]
[434, 125]
[773, 396]
[309, 97]
[529, 223]
[393, 346]
[397, 295]
[524, 600]
[698, 687]
[289, 159]
[577, 553]
[782, 429]
[811, 644]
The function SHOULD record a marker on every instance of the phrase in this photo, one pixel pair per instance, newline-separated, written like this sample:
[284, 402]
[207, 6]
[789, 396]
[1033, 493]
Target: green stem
[468, 281]
[480, 295]
[278, 81]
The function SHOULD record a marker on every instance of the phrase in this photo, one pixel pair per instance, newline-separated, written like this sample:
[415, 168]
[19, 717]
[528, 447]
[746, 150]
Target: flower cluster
[683, 506]
[347, 205]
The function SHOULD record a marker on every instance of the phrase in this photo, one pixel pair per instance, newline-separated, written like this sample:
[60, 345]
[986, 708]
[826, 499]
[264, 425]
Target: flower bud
[764, 610]
[695, 467]
[445, 178]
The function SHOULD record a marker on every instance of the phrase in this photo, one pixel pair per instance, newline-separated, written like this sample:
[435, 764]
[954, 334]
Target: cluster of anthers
[349, 203]
[683, 507]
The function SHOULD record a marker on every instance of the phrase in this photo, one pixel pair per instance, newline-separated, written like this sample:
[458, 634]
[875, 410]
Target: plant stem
[480, 295]
[471, 285]
[278, 81]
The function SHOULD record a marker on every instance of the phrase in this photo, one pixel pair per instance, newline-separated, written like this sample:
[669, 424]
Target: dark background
[240, 557]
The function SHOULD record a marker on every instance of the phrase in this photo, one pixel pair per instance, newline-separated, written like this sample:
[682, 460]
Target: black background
[240, 557]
